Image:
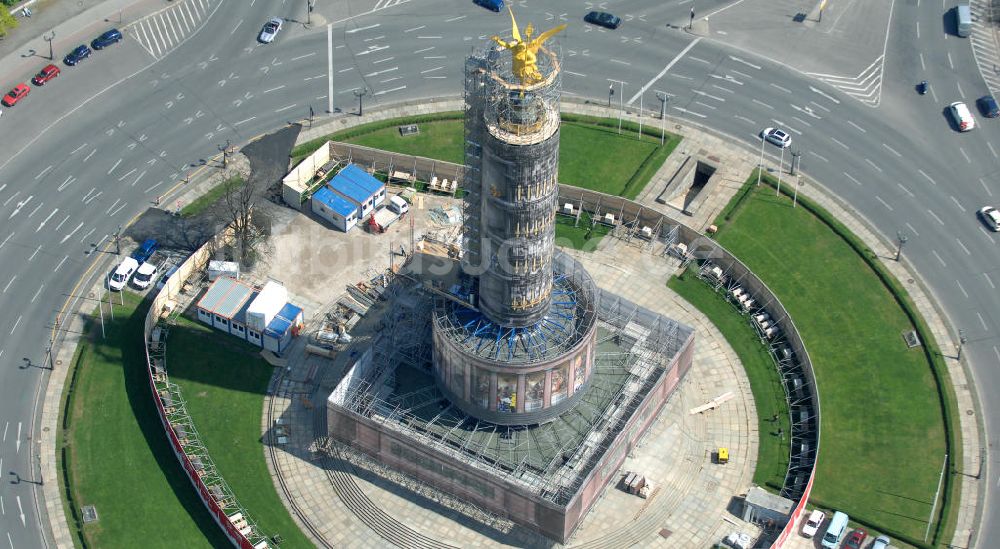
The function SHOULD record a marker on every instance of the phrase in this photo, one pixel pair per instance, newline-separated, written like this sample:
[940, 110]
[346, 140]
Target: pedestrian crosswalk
[383, 4]
[166, 29]
[984, 44]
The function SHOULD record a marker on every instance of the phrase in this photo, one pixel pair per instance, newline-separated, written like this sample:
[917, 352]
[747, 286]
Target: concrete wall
[294, 185]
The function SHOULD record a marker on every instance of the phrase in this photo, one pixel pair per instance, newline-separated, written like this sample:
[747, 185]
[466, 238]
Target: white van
[963, 20]
[835, 531]
[398, 205]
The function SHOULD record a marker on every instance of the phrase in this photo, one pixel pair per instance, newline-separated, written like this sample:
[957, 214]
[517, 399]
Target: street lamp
[225, 154]
[901, 238]
[118, 241]
[310, 5]
[360, 94]
[663, 115]
[49, 39]
[611, 93]
[962, 340]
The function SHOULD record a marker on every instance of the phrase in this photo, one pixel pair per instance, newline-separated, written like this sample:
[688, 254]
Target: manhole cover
[58, 363]
[909, 281]
[664, 533]
[45, 429]
[89, 513]
[911, 339]
[969, 412]
[91, 294]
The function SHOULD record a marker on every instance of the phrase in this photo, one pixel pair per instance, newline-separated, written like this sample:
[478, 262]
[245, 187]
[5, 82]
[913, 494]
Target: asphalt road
[100, 143]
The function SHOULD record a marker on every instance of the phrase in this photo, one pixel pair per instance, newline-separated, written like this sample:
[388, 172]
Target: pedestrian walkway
[985, 44]
[159, 33]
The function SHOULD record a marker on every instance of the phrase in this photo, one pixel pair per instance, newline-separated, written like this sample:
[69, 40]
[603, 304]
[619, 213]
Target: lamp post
[310, 5]
[962, 340]
[360, 95]
[611, 93]
[663, 115]
[225, 154]
[118, 241]
[49, 38]
[691, 23]
[901, 239]
[760, 165]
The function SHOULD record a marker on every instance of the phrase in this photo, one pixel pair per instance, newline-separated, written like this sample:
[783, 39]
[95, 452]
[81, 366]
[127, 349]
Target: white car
[270, 30]
[881, 542]
[991, 217]
[962, 115]
[120, 277]
[813, 523]
[777, 137]
[144, 276]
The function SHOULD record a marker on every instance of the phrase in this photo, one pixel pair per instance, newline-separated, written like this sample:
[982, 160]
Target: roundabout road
[100, 144]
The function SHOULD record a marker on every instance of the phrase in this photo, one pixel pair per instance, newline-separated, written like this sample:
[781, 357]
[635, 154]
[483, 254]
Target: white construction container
[223, 268]
[262, 310]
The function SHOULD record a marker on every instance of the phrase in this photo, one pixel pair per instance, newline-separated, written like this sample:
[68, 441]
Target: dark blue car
[493, 5]
[78, 54]
[110, 37]
[146, 249]
[988, 106]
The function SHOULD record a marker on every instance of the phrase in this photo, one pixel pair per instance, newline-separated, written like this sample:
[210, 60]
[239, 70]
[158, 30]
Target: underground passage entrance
[686, 190]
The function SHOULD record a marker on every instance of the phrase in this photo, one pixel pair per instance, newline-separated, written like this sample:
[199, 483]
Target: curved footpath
[741, 161]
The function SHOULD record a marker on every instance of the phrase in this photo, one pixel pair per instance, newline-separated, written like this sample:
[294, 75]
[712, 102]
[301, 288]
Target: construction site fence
[163, 303]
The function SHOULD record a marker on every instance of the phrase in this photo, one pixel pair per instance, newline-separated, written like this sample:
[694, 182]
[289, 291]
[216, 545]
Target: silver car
[991, 217]
[777, 137]
[270, 30]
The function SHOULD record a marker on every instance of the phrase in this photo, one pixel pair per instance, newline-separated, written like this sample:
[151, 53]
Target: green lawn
[223, 381]
[118, 455]
[765, 382]
[580, 236]
[883, 437]
[208, 199]
[593, 155]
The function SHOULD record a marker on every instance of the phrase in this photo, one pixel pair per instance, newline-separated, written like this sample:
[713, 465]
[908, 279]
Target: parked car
[78, 54]
[813, 523]
[147, 270]
[13, 96]
[881, 542]
[46, 74]
[270, 31]
[110, 37]
[856, 539]
[166, 275]
[988, 106]
[603, 19]
[991, 217]
[962, 115]
[492, 5]
[122, 273]
[777, 137]
[145, 250]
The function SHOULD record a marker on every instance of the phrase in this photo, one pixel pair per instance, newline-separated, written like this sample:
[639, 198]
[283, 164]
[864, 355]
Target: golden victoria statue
[525, 50]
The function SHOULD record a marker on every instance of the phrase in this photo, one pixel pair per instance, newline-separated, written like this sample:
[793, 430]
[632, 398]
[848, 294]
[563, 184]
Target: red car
[15, 95]
[856, 539]
[46, 74]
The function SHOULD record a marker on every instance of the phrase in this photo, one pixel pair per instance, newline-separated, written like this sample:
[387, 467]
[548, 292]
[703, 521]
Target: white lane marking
[78, 149]
[936, 218]
[432, 70]
[86, 158]
[34, 253]
[69, 181]
[236, 27]
[456, 18]
[818, 156]
[710, 96]
[803, 122]
[37, 293]
[140, 176]
[884, 203]
[382, 60]
[962, 289]
[992, 150]
[676, 58]
[951, 65]
[43, 172]
[244, 121]
[987, 189]
[982, 322]
[130, 172]
[38, 207]
[824, 94]
[700, 60]
[5, 202]
[923, 67]
[955, 200]
[274, 89]
[763, 104]
[706, 105]
[5, 427]
[67, 237]
[153, 187]
[65, 219]
[56, 270]
[310, 54]
[851, 177]
[943, 264]
[745, 119]
[892, 150]
[874, 165]
[743, 74]
[115, 166]
[415, 28]
[359, 29]
[91, 231]
[921, 172]
[390, 90]
[428, 38]
[817, 105]
[961, 92]
[422, 50]
[7, 287]
[620, 62]
[912, 230]
[747, 63]
[859, 128]
[16, 324]
[718, 87]
[835, 140]
[285, 108]
[989, 280]
[967, 159]
[786, 90]
[692, 113]
[905, 190]
[117, 200]
[964, 249]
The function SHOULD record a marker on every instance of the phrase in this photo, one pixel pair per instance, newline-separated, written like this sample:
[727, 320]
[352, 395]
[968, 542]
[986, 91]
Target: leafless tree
[241, 209]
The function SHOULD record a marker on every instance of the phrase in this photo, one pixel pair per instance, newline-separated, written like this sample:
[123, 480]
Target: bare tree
[249, 224]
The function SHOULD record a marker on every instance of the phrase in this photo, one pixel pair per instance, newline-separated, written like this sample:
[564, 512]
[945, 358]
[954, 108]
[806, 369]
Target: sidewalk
[25, 50]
